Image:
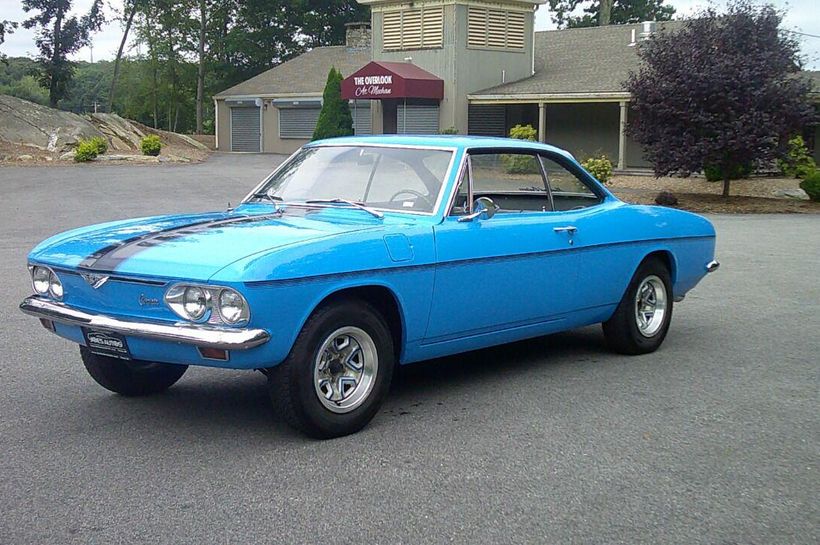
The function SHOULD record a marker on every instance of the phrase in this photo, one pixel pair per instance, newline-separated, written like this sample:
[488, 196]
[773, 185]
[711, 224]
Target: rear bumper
[205, 336]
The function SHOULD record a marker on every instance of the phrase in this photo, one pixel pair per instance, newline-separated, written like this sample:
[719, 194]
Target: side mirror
[483, 208]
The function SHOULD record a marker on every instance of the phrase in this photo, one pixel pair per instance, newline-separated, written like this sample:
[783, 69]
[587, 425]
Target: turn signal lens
[40, 279]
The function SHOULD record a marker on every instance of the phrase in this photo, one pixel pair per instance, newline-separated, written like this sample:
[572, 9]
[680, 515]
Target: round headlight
[40, 279]
[194, 302]
[232, 307]
[55, 287]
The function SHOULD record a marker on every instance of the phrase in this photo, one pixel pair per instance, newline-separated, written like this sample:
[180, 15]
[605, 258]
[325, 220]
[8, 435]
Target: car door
[512, 270]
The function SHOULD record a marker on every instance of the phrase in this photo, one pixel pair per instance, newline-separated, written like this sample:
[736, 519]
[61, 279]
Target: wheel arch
[382, 297]
[667, 258]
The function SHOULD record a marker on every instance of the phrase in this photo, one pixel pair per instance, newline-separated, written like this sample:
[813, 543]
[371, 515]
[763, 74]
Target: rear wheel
[641, 321]
[131, 377]
[338, 372]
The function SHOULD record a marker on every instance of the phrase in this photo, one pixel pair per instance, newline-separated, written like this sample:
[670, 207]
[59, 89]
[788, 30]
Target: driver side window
[569, 192]
[512, 180]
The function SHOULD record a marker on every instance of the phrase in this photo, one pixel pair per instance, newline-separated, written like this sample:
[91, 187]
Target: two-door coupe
[358, 254]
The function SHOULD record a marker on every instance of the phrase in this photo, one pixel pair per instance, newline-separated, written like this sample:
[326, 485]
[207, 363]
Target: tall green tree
[58, 36]
[721, 93]
[6, 27]
[335, 118]
[607, 12]
[129, 11]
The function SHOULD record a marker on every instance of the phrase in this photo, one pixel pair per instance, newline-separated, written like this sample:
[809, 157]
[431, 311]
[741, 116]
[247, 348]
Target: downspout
[216, 125]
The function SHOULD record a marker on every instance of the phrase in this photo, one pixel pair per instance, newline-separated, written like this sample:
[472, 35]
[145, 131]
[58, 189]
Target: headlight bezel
[244, 312]
[51, 280]
[176, 297]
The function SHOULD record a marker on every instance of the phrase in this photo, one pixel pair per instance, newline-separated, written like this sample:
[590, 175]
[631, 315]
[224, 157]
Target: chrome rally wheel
[641, 320]
[650, 306]
[345, 369]
[338, 371]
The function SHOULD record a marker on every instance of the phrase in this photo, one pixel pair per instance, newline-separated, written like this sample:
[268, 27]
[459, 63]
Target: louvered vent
[432, 27]
[413, 29]
[392, 30]
[496, 29]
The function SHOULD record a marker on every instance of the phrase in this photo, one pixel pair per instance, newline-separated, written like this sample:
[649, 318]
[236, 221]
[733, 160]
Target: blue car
[360, 254]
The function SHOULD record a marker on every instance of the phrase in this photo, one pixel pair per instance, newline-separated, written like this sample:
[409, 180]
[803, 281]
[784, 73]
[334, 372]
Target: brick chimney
[357, 35]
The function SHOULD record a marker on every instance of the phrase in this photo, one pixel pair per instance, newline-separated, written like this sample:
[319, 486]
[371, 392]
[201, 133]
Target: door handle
[569, 229]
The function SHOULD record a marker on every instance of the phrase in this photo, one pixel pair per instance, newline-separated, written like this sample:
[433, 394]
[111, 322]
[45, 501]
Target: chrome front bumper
[205, 336]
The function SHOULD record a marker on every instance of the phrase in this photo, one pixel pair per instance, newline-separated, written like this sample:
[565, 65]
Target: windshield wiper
[273, 199]
[354, 204]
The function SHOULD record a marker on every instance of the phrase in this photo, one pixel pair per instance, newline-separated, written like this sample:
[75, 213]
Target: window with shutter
[418, 28]
[495, 28]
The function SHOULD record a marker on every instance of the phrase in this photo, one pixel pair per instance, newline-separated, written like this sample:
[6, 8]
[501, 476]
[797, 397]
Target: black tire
[292, 384]
[131, 377]
[622, 331]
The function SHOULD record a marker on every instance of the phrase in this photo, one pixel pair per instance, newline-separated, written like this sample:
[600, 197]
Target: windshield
[403, 179]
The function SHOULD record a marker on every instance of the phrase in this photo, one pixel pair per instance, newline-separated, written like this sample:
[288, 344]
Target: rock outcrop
[41, 127]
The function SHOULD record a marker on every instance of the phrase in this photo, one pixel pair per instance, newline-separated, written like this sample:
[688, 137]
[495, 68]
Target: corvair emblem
[94, 280]
[148, 301]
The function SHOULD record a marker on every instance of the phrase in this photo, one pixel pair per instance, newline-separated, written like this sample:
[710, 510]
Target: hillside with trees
[174, 54]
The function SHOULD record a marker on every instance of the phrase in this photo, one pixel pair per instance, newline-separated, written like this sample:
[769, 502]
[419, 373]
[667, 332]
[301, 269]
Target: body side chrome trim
[224, 338]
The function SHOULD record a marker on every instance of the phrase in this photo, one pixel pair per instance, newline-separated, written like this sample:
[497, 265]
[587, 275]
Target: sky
[801, 16]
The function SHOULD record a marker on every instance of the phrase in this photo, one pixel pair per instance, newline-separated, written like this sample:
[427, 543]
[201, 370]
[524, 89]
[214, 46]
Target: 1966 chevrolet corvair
[358, 254]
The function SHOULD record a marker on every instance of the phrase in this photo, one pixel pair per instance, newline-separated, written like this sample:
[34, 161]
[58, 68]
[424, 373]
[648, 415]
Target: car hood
[191, 246]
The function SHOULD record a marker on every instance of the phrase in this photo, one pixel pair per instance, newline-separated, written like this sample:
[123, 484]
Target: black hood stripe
[109, 257]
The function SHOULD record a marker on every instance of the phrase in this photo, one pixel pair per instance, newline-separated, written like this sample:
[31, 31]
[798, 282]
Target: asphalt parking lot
[713, 439]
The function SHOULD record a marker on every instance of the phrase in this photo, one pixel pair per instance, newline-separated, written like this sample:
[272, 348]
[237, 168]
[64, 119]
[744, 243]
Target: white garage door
[245, 129]
[417, 119]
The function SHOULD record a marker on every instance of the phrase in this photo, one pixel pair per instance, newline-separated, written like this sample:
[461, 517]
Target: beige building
[474, 66]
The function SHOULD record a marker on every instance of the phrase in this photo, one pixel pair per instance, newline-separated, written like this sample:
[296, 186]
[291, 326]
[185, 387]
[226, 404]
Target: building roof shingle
[579, 60]
[305, 74]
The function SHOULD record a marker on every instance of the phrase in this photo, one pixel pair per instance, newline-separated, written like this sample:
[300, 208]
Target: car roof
[444, 141]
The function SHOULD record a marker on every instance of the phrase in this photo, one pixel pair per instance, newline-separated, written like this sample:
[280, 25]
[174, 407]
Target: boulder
[25, 157]
[796, 193]
[30, 124]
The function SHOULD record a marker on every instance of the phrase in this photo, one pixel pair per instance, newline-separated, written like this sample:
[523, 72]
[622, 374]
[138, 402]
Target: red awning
[380, 80]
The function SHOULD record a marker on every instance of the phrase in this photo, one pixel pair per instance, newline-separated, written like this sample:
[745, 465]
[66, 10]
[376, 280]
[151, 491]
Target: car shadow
[227, 404]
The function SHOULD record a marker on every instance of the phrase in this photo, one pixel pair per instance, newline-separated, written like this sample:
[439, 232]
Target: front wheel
[131, 377]
[338, 372]
[641, 321]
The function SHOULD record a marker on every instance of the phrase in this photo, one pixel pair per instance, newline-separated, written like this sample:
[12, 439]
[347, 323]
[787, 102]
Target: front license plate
[106, 343]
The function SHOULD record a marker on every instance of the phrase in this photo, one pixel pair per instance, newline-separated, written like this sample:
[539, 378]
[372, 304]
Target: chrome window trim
[453, 150]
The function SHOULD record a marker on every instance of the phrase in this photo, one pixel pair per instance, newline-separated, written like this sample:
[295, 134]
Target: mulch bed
[716, 204]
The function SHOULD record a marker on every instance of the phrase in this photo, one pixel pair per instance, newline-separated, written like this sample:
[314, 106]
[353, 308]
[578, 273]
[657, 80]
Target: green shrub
[797, 163]
[521, 164]
[714, 173]
[334, 118]
[811, 185]
[100, 144]
[524, 132]
[451, 130]
[150, 145]
[86, 151]
[600, 167]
